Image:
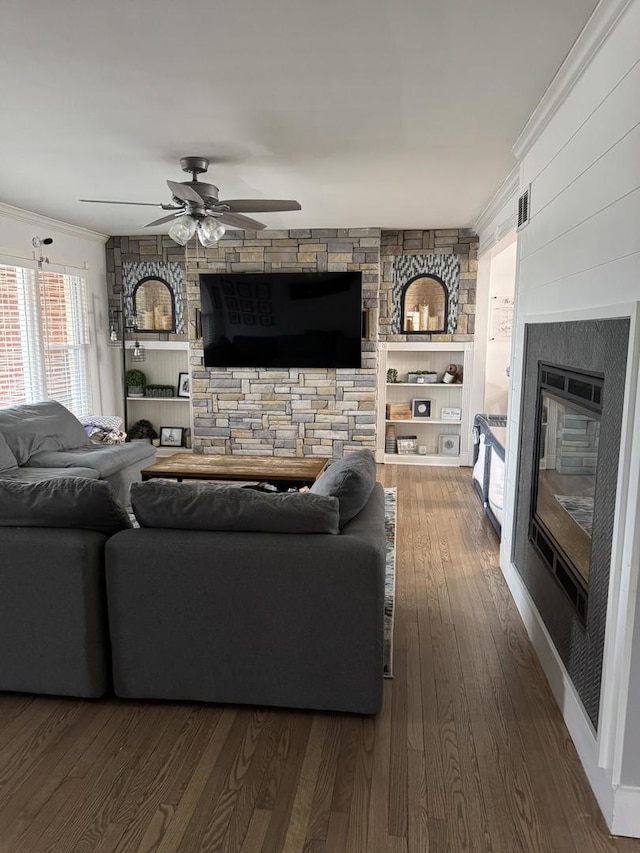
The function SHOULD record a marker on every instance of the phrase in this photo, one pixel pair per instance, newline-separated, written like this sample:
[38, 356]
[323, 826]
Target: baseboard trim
[577, 722]
[626, 812]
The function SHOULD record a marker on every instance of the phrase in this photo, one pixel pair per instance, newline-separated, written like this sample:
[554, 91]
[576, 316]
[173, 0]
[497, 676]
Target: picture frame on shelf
[449, 445]
[183, 385]
[420, 408]
[451, 413]
[171, 436]
[406, 446]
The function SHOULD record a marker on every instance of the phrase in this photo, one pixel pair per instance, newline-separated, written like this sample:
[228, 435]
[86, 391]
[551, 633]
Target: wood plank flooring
[470, 752]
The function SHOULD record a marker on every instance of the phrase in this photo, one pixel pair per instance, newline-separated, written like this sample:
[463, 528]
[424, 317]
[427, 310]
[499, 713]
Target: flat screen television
[281, 319]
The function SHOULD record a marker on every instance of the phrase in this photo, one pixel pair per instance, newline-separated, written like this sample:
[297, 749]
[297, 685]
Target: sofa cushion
[196, 506]
[70, 502]
[37, 475]
[34, 427]
[105, 458]
[7, 459]
[351, 480]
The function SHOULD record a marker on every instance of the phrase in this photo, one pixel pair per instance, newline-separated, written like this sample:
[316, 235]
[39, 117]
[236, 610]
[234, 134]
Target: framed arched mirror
[425, 305]
[154, 305]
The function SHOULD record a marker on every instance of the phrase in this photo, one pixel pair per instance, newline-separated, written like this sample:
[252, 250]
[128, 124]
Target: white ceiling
[370, 113]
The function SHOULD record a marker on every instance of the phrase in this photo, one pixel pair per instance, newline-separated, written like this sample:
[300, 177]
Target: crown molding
[17, 214]
[508, 226]
[506, 195]
[595, 31]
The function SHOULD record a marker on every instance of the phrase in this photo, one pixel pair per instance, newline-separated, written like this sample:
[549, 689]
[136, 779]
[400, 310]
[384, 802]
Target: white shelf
[425, 384]
[169, 451]
[156, 346]
[407, 357]
[160, 399]
[420, 459]
[420, 421]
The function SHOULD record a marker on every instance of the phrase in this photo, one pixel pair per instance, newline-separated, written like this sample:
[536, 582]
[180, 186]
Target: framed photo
[407, 445]
[171, 436]
[452, 413]
[421, 408]
[183, 385]
[449, 445]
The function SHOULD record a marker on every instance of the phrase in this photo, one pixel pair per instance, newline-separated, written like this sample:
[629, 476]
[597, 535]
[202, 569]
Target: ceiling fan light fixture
[210, 231]
[182, 229]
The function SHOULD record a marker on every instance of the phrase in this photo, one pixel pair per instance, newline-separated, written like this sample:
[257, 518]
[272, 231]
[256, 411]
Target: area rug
[580, 509]
[390, 578]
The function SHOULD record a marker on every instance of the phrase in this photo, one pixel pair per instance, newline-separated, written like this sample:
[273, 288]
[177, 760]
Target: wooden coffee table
[279, 470]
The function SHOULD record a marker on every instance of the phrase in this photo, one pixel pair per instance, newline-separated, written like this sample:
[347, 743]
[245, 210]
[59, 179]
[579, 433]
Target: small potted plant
[136, 380]
[142, 431]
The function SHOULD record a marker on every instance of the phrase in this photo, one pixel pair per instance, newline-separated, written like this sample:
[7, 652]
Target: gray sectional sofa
[53, 615]
[251, 616]
[221, 595]
[40, 441]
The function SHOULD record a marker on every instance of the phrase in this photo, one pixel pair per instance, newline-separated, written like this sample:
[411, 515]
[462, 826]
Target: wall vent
[523, 208]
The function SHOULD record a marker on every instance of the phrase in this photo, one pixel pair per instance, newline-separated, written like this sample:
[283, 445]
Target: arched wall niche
[425, 305]
[154, 305]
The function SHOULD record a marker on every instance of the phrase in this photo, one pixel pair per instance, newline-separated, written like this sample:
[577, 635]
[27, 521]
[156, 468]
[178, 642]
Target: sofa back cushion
[351, 480]
[69, 502]
[33, 427]
[196, 506]
[7, 459]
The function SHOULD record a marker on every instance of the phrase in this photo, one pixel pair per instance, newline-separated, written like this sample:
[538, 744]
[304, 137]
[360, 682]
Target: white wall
[82, 252]
[496, 228]
[580, 255]
[502, 283]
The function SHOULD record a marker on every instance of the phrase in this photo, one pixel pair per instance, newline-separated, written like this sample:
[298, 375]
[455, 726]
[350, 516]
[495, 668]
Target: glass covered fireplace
[569, 404]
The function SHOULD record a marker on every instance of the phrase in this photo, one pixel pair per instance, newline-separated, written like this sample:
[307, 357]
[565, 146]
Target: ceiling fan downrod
[195, 165]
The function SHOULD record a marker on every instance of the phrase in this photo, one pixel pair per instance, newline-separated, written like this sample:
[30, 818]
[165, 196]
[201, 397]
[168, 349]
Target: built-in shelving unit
[164, 361]
[433, 432]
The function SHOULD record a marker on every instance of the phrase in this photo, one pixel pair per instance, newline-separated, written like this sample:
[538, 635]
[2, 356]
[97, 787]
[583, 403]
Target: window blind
[44, 338]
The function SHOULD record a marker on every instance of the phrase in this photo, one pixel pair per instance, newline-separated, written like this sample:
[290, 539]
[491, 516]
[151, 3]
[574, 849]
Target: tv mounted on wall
[281, 319]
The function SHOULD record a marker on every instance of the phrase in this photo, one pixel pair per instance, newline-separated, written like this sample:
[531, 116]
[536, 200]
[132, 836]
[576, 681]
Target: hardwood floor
[469, 753]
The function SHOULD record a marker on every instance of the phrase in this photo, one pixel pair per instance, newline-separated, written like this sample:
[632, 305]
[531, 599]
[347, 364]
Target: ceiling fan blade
[236, 220]
[260, 205]
[104, 201]
[162, 220]
[184, 193]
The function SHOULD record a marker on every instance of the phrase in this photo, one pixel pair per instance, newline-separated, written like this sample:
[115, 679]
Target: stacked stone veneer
[297, 412]
[293, 412]
[128, 259]
[577, 444]
[461, 242]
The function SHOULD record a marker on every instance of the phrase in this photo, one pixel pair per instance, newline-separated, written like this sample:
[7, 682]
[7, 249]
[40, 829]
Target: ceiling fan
[196, 208]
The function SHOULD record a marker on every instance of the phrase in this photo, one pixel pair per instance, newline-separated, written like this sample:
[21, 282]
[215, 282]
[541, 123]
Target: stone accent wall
[156, 248]
[457, 241]
[272, 412]
[297, 412]
[294, 412]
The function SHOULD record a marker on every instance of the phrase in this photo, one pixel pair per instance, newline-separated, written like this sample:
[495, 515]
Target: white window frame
[34, 339]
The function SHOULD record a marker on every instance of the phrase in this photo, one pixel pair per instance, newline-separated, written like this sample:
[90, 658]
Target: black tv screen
[281, 319]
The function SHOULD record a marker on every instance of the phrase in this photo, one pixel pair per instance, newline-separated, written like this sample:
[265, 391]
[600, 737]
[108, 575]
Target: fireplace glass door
[567, 459]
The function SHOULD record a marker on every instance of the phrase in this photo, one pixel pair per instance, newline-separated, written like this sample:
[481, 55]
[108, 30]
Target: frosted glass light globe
[210, 230]
[182, 229]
